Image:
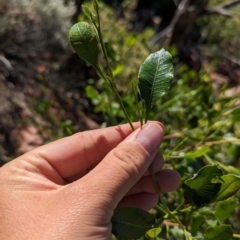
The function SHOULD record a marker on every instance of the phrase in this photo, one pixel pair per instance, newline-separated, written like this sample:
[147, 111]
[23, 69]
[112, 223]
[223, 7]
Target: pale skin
[68, 189]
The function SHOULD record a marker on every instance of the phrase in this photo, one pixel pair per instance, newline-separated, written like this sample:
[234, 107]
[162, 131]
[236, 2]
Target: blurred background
[47, 92]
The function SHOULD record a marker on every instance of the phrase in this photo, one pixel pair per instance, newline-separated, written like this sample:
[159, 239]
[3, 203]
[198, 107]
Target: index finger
[71, 155]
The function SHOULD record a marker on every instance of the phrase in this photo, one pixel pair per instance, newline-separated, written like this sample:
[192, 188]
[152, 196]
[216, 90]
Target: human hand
[68, 189]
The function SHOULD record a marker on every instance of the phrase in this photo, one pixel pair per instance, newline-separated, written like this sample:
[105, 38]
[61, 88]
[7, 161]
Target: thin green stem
[179, 207]
[236, 235]
[158, 207]
[124, 109]
[137, 104]
[100, 72]
[111, 79]
[154, 180]
[146, 116]
[170, 214]
[116, 94]
[187, 209]
[102, 44]
[165, 208]
[177, 146]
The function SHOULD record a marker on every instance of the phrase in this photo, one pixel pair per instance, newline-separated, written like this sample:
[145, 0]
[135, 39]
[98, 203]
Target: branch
[168, 31]
[229, 4]
[6, 62]
[222, 8]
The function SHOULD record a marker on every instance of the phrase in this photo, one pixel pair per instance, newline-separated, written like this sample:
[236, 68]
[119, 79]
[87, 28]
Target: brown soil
[42, 85]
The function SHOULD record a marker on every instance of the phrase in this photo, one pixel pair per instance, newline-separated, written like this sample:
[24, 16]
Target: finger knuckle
[128, 160]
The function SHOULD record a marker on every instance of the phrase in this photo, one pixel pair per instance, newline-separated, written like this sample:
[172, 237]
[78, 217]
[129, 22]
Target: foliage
[202, 138]
[200, 116]
[220, 38]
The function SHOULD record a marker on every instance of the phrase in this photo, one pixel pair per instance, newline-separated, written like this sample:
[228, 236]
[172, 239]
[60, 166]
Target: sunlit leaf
[230, 185]
[131, 223]
[119, 68]
[110, 51]
[131, 40]
[207, 211]
[212, 222]
[155, 76]
[84, 42]
[202, 188]
[224, 209]
[154, 232]
[198, 153]
[196, 221]
[223, 232]
[93, 94]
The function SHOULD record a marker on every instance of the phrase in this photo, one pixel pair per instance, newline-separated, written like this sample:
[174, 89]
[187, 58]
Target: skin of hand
[68, 189]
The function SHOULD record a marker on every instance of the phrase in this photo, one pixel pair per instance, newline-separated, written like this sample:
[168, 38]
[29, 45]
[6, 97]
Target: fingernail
[150, 137]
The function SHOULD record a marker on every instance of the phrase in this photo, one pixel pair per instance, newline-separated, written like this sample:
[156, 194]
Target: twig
[227, 4]
[222, 8]
[222, 141]
[167, 32]
[6, 62]
[173, 135]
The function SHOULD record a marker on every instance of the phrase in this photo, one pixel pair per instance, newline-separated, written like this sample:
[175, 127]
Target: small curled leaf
[89, 13]
[84, 42]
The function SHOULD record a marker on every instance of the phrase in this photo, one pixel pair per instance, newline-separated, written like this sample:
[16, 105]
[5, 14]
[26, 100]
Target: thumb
[122, 167]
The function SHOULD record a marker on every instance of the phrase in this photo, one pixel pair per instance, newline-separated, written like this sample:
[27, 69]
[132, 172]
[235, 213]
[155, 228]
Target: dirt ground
[41, 80]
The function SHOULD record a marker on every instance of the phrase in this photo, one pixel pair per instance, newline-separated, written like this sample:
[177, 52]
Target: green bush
[202, 128]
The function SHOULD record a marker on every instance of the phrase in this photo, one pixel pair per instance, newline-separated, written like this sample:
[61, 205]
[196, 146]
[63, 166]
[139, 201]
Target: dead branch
[222, 8]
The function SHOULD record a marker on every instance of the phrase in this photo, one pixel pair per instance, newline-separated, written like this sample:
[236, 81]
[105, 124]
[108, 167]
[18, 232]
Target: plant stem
[113, 87]
[158, 207]
[116, 94]
[179, 207]
[123, 108]
[165, 208]
[177, 146]
[236, 235]
[137, 104]
[110, 80]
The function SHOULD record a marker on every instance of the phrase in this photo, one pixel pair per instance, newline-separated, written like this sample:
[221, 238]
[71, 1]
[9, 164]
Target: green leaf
[196, 222]
[93, 94]
[198, 153]
[230, 185]
[212, 222]
[131, 223]
[154, 232]
[92, 17]
[110, 51]
[224, 209]
[202, 188]
[119, 68]
[223, 232]
[155, 76]
[84, 42]
[207, 211]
